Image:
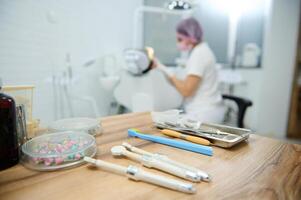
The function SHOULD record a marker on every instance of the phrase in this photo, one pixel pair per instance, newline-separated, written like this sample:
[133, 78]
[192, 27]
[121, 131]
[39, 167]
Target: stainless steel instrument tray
[219, 135]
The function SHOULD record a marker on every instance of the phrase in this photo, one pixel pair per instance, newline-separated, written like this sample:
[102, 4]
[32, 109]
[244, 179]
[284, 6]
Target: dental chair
[148, 92]
[242, 106]
[228, 78]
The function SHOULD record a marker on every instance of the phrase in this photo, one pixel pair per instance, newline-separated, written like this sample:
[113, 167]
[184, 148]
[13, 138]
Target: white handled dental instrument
[201, 174]
[153, 162]
[137, 174]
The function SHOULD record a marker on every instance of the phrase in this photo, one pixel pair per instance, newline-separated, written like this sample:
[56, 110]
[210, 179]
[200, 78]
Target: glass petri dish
[89, 125]
[58, 150]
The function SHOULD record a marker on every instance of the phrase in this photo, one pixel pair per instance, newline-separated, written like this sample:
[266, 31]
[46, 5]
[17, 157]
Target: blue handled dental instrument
[174, 143]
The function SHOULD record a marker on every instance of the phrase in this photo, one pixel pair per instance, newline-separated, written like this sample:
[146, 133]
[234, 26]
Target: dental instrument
[137, 174]
[189, 138]
[174, 143]
[152, 162]
[206, 129]
[219, 135]
[203, 175]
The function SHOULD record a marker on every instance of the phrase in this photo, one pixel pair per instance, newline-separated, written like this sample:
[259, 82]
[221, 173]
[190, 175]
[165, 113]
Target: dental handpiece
[152, 162]
[137, 174]
[201, 174]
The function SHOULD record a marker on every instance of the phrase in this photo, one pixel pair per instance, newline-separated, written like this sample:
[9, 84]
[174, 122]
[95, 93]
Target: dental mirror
[117, 150]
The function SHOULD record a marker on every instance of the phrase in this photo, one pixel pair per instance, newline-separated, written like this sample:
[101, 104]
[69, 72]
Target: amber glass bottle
[9, 152]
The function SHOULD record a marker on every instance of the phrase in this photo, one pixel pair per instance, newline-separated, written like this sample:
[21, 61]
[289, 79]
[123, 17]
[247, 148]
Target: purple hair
[190, 28]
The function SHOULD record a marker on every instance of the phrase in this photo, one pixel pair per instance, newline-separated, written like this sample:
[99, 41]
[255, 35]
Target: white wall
[278, 66]
[35, 36]
[270, 86]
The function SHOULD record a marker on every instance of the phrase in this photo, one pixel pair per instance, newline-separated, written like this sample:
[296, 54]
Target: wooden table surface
[261, 168]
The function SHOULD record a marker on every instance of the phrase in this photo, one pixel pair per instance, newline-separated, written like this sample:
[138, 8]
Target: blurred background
[69, 57]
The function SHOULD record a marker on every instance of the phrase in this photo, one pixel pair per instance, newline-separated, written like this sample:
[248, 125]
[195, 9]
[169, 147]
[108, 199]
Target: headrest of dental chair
[138, 61]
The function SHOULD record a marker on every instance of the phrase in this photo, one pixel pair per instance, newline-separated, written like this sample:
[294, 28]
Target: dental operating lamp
[138, 58]
[138, 61]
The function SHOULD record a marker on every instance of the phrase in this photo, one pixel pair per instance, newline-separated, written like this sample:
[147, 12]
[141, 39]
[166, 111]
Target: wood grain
[261, 168]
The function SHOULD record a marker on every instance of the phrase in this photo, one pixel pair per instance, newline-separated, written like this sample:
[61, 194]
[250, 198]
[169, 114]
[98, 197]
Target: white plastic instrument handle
[137, 174]
[118, 169]
[136, 150]
[186, 168]
[204, 175]
[152, 162]
[165, 182]
[132, 155]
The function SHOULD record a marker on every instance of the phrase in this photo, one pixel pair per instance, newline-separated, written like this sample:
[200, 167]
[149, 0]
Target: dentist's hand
[157, 64]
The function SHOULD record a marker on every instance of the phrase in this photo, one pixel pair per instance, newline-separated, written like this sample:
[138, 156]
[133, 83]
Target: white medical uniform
[206, 103]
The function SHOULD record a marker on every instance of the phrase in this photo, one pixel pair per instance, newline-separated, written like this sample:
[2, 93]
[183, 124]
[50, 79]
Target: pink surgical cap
[190, 28]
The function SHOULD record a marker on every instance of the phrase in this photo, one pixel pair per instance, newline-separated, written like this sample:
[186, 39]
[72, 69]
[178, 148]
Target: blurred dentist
[202, 99]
